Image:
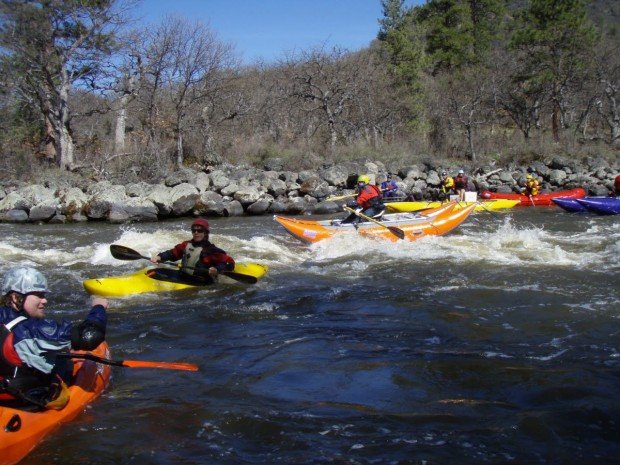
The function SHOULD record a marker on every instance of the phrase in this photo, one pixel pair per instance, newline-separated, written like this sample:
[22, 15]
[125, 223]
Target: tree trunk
[121, 116]
[470, 140]
[50, 140]
[65, 140]
[180, 150]
[119, 132]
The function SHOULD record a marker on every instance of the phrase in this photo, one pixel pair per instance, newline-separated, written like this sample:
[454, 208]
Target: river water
[498, 343]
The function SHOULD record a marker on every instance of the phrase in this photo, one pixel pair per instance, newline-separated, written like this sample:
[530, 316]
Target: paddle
[120, 252]
[135, 363]
[481, 203]
[532, 200]
[347, 196]
[339, 197]
[394, 230]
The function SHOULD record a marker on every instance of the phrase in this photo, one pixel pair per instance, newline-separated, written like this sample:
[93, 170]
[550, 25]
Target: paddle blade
[248, 273]
[163, 365]
[397, 232]
[120, 252]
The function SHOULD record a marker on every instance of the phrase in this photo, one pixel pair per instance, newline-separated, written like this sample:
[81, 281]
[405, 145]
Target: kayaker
[30, 370]
[389, 188]
[616, 191]
[199, 256]
[460, 185]
[532, 186]
[447, 185]
[369, 201]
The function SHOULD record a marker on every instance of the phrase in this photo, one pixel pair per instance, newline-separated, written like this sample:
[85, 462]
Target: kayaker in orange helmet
[532, 186]
[30, 371]
[369, 201]
[460, 185]
[199, 256]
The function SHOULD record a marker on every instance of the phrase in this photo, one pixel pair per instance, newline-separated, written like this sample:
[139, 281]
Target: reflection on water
[499, 343]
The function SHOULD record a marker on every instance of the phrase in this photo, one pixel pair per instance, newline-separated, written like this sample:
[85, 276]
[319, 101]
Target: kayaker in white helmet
[460, 185]
[30, 371]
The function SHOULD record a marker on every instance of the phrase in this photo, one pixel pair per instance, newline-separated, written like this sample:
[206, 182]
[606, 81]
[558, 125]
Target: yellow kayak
[481, 205]
[164, 280]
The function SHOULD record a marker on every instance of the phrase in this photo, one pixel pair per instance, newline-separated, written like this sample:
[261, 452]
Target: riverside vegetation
[89, 102]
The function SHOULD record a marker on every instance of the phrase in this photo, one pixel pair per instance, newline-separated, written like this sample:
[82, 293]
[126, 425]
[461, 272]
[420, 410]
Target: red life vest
[9, 360]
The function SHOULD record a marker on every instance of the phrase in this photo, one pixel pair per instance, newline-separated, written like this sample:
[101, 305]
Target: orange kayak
[434, 222]
[22, 431]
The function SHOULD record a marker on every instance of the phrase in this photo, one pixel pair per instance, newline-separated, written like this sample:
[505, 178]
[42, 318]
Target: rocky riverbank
[237, 191]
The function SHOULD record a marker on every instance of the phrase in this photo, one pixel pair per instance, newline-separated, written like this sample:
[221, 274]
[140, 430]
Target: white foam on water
[507, 245]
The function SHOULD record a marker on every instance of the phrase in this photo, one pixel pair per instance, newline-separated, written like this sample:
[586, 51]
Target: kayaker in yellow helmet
[369, 201]
[30, 371]
[447, 185]
[532, 186]
[199, 256]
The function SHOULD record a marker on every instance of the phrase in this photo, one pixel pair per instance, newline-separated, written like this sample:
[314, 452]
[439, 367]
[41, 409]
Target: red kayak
[535, 200]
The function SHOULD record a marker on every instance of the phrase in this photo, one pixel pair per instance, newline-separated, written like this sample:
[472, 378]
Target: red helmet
[202, 223]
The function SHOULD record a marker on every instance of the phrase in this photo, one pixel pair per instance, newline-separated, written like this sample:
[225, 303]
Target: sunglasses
[40, 295]
[198, 230]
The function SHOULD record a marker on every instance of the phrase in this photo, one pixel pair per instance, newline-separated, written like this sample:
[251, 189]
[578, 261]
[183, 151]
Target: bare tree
[54, 45]
[324, 83]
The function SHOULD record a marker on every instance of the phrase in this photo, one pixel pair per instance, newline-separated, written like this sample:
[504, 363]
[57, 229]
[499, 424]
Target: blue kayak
[570, 205]
[601, 205]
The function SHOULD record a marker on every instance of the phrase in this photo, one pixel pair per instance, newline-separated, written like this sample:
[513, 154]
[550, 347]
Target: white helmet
[24, 280]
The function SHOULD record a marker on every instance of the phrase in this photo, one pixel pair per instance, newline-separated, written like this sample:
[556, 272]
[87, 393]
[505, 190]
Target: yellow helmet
[529, 176]
[363, 178]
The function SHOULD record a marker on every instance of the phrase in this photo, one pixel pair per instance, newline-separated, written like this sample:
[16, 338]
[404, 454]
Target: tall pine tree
[555, 38]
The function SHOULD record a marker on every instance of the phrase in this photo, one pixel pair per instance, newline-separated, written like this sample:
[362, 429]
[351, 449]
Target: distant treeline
[480, 80]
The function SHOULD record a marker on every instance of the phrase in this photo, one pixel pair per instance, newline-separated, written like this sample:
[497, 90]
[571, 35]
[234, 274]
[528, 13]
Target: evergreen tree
[555, 38]
[460, 32]
[393, 14]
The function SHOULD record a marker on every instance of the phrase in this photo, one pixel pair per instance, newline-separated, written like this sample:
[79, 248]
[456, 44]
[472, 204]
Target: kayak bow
[21, 430]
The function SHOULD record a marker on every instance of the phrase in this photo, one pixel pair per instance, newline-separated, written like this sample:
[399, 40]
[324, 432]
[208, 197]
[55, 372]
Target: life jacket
[19, 383]
[460, 182]
[10, 362]
[447, 184]
[531, 187]
[9, 359]
[191, 257]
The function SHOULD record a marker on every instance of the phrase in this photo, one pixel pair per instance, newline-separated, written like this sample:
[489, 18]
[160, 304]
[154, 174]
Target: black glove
[87, 335]
[352, 204]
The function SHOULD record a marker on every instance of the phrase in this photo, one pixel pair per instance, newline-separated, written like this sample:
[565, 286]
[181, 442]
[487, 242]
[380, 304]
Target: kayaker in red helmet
[30, 371]
[199, 256]
[616, 191]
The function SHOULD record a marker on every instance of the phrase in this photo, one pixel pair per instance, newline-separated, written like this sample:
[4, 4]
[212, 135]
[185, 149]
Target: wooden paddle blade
[120, 252]
[164, 365]
[397, 232]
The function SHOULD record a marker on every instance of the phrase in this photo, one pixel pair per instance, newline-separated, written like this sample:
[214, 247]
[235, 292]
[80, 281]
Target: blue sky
[270, 28]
